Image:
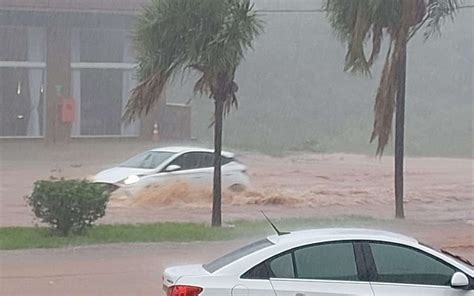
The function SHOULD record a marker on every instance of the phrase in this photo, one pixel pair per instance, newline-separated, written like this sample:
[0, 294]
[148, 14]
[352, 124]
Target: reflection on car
[337, 262]
[168, 164]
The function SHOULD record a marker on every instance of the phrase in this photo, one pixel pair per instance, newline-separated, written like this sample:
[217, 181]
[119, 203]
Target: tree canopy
[355, 22]
[173, 36]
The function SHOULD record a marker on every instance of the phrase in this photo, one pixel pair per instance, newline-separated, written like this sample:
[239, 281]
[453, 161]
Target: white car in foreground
[327, 262]
[170, 164]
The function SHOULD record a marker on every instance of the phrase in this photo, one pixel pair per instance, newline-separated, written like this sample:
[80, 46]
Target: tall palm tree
[173, 37]
[358, 21]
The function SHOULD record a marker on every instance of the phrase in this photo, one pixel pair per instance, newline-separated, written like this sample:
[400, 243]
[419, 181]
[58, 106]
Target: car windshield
[236, 255]
[147, 160]
[456, 257]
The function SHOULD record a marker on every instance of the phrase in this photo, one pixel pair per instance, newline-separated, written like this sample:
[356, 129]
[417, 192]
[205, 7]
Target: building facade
[67, 69]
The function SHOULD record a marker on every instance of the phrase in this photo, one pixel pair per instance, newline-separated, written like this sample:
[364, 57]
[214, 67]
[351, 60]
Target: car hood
[118, 174]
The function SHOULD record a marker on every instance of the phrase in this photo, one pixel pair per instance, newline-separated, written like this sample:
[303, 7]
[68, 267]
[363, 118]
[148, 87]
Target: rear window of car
[236, 255]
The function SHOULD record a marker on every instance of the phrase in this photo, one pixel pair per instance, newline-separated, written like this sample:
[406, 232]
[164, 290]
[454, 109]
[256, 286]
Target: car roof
[286, 242]
[297, 239]
[183, 149]
[328, 234]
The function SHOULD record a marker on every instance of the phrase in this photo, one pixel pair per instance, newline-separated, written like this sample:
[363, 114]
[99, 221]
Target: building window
[22, 80]
[102, 78]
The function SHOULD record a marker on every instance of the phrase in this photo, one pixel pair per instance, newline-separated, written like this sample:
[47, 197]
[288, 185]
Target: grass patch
[12, 238]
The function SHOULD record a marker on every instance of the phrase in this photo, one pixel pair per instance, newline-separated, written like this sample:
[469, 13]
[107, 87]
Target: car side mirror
[172, 168]
[459, 280]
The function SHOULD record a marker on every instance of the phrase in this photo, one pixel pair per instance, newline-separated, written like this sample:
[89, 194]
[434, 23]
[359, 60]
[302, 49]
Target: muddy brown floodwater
[439, 205]
[438, 190]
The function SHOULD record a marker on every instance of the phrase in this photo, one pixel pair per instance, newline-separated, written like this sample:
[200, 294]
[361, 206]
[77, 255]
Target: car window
[147, 160]
[400, 264]
[206, 160]
[259, 272]
[181, 161]
[282, 266]
[334, 261]
[188, 161]
[196, 160]
[236, 255]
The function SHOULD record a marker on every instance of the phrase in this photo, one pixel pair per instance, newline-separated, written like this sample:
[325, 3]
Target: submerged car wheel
[237, 188]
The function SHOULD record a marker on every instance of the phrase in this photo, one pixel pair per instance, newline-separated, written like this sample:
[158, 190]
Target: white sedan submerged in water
[171, 164]
[329, 262]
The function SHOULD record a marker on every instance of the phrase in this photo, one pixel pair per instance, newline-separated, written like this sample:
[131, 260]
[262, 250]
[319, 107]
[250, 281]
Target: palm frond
[357, 21]
[385, 103]
[437, 12]
[208, 36]
[377, 36]
[385, 100]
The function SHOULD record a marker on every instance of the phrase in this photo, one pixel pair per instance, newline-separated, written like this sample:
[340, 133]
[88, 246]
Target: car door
[327, 269]
[194, 168]
[402, 270]
[205, 169]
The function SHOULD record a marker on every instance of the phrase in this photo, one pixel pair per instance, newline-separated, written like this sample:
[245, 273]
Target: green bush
[68, 205]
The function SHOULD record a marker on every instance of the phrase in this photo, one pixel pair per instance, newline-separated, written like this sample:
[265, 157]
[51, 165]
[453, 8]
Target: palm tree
[358, 21]
[173, 37]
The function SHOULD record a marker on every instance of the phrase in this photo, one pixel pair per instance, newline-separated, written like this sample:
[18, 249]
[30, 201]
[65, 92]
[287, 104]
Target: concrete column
[58, 75]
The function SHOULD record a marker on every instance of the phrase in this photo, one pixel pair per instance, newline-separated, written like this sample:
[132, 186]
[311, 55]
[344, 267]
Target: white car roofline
[306, 235]
[186, 149]
[290, 241]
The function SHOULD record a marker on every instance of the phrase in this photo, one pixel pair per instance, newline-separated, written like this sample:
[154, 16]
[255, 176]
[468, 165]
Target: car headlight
[131, 179]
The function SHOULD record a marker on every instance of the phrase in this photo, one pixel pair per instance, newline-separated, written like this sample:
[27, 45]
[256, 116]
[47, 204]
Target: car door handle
[300, 294]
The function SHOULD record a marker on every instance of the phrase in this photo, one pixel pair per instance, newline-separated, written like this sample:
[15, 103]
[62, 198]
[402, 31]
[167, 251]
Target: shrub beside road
[68, 206]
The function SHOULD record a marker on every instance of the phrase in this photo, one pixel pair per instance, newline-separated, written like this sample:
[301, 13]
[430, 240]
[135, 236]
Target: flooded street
[439, 192]
[308, 185]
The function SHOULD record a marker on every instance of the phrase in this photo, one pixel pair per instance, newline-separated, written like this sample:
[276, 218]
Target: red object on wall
[67, 109]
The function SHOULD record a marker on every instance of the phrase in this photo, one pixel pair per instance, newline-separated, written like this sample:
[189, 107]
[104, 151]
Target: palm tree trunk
[400, 134]
[217, 186]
